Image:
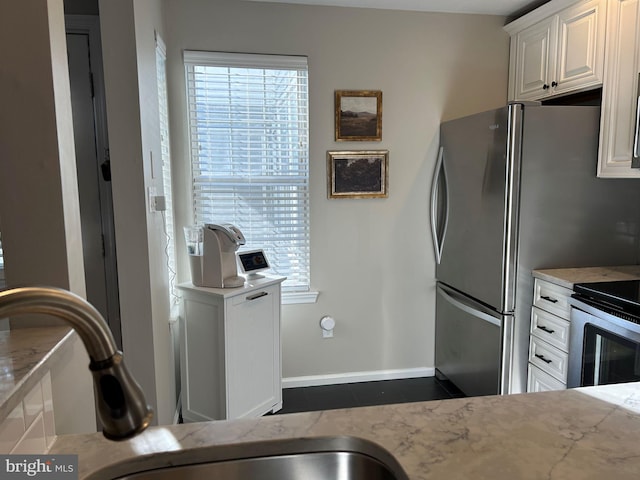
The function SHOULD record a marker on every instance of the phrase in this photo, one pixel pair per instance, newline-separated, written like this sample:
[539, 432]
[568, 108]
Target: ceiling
[488, 7]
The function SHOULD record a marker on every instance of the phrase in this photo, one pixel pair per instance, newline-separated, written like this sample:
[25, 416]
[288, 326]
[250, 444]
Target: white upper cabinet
[533, 47]
[619, 117]
[557, 49]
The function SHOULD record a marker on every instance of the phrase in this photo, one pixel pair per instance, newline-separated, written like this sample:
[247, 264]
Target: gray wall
[371, 259]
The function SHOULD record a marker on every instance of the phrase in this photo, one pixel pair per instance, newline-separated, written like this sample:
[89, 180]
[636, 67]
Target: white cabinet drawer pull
[257, 295]
[549, 299]
[541, 357]
[545, 329]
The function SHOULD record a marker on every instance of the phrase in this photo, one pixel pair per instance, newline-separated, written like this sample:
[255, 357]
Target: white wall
[371, 259]
[128, 45]
[39, 204]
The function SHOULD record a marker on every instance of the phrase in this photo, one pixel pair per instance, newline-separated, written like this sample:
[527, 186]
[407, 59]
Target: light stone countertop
[26, 354]
[567, 277]
[587, 433]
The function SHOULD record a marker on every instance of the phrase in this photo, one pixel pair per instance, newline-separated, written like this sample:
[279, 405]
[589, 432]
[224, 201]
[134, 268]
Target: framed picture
[358, 174]
[358, 115]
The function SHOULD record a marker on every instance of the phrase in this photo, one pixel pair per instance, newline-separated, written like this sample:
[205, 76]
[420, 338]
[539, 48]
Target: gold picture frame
[358, 174]
[358, 115]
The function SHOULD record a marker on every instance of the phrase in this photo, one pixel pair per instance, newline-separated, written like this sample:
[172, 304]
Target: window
[248, 125]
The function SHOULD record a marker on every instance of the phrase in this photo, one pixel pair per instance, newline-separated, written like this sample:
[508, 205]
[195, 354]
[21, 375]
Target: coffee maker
[212, 256]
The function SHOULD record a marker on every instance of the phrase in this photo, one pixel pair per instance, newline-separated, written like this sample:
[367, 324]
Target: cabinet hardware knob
[541, 357]
[549, 299]
[545, 86]
[554, 84]
[545, 329]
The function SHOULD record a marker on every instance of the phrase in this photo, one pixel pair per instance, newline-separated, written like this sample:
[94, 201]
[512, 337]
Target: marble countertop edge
[557, 435]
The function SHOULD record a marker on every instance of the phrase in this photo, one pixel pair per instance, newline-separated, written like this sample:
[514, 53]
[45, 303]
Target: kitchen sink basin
[317, 458]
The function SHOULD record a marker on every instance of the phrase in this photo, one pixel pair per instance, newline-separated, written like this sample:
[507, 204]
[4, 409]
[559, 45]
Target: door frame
[90, 25]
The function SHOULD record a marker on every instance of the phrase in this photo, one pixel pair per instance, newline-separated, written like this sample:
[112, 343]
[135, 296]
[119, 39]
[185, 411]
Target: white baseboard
[355, 377]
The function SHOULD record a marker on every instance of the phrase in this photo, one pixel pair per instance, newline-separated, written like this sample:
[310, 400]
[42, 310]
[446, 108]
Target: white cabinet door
[230, 358]
[580, 57]
[620, 91]
[540, 381]
[534, 48]
[253, 353]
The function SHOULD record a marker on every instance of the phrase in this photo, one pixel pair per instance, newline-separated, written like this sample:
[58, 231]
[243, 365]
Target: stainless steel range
[604, 343]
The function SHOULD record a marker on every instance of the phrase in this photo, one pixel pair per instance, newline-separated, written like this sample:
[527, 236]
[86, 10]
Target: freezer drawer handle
[545, 329]
[541, 357]
[468, 309]
[256, 296]
[549, 299]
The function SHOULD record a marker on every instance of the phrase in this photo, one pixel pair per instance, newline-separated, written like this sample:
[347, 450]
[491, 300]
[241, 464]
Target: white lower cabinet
[549, 337]
[230, 351]
[29, 428]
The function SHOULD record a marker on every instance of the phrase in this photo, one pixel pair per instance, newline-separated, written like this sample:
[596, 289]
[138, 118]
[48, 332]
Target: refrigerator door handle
[635, 161]
[458, 301]
[439, 230]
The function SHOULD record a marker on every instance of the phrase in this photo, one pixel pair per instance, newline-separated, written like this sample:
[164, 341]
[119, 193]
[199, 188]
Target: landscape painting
[358, 115]
[358, 174]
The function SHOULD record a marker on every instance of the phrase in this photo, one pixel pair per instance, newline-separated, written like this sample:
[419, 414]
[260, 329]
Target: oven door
[603, 348]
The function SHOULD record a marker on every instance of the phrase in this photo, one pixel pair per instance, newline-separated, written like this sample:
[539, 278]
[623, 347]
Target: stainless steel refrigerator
[515, 189]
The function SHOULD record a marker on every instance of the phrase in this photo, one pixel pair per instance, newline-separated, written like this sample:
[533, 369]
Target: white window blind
[163, 109]
[248, 124]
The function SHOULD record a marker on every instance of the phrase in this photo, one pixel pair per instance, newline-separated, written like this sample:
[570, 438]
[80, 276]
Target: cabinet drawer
[550, 328]
[539, 381]
[549, 359]
[552, 298]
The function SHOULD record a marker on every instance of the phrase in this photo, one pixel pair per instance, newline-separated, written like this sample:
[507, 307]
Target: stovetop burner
[621, 298]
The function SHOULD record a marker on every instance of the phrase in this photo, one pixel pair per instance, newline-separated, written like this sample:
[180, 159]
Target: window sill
[294, 298]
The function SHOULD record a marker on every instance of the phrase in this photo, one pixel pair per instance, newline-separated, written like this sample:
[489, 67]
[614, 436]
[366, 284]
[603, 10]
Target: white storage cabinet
[230, 351]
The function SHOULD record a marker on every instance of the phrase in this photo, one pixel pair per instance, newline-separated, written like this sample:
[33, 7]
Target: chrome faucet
[122, 408]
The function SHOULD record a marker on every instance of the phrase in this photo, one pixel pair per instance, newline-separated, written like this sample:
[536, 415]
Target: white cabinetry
[618, 128]
[230, 351]
[29, 428]
[45, 370]
[557, 49]
[549, 339]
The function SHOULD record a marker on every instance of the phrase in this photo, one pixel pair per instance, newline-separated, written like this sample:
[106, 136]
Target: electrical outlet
[161, 203]
[152, 199]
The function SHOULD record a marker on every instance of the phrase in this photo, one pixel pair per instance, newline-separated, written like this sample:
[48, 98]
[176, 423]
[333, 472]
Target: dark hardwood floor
[348, 395]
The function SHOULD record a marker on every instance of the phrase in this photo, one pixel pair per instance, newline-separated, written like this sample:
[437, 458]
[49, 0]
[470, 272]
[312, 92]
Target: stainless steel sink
[320, 458]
